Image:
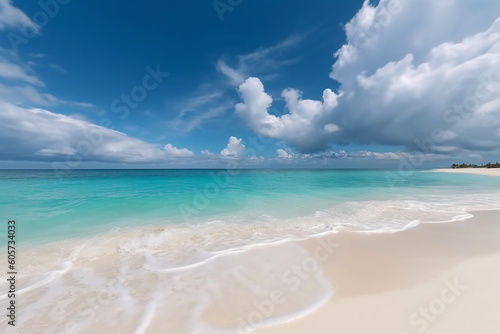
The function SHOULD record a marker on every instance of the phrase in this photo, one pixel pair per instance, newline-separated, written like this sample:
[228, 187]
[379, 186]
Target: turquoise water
[50, 206]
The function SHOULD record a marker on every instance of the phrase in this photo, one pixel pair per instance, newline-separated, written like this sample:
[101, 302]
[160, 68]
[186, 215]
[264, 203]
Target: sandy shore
[435, 278]
[479, 171]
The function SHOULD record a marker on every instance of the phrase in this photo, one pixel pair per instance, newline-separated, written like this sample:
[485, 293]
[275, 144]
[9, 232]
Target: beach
[318, 251]
[435, 278]
[241, 167]
[477, 171]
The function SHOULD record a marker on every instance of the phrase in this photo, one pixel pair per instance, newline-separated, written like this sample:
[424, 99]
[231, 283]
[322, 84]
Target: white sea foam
[146, 318]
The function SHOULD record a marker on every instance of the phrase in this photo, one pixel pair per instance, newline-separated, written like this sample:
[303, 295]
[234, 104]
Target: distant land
[488, 165]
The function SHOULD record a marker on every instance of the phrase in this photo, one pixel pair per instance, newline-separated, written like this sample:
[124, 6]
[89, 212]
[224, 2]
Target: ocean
[49, 206]
[152, 240]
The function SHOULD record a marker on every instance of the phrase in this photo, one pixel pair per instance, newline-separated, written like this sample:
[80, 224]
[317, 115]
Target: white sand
[400, 283]
[479, 171]
[435, 278]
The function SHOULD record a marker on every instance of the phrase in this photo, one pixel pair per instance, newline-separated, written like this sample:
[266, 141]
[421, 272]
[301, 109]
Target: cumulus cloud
[300, 127]
[424, 75]
[37, 134]
[378, 35]
[436, 90]
[282, 154]
[234, 148]
[173, 151]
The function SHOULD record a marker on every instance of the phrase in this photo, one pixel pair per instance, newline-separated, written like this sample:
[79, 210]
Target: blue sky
[168, 84]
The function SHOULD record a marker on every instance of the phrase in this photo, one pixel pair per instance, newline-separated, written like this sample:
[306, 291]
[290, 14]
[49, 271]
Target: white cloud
[73, 142]
[29, 95]
[424, 75]
[234, 148]
[198, 111]
[176, 152]
[325, 155]
[283, 154]
[212, 102]
[299, 127]
[12, 17]
[266, 55]
[13, 71]
[37, 134]
[331, 128]
[22, 87]
[233, 75]
[201, 100]
[206, 152]
[436, 92]
[263, 62]
[26, 94]
[394, 28]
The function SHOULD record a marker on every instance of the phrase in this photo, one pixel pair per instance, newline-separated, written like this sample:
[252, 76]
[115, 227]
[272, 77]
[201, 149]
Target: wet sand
[435, 278]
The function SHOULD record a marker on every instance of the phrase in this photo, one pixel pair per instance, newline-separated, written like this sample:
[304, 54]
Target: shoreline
[476, 171]
[390, 280]
[322, 283]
